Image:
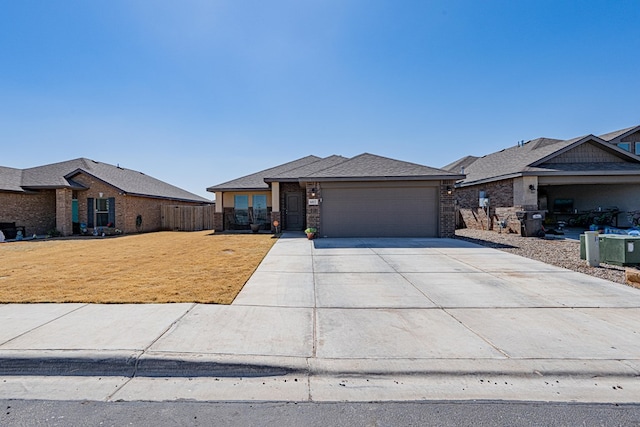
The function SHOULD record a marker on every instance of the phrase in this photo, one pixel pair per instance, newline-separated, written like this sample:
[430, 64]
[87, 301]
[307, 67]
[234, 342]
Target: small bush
[54, 233]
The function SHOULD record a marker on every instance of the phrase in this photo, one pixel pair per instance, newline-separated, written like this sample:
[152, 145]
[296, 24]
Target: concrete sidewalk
[346, 319]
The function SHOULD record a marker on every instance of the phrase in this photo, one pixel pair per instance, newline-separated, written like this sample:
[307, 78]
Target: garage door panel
[380, 212]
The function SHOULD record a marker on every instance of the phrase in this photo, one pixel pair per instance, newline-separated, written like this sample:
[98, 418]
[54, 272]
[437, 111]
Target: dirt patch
[161, 267]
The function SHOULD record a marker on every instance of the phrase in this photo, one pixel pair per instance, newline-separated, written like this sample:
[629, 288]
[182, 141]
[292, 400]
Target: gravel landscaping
[554, 250]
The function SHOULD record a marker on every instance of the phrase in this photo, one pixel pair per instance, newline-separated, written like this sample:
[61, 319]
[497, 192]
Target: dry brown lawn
[158, 267]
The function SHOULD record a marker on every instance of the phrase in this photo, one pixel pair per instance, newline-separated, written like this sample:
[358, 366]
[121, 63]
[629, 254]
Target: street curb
[68, 366]
[53, 363]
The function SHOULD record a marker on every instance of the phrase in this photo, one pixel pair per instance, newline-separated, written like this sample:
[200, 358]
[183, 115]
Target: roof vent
[462, 170]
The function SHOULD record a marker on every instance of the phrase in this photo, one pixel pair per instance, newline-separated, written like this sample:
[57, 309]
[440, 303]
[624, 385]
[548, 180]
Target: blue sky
[199, 92]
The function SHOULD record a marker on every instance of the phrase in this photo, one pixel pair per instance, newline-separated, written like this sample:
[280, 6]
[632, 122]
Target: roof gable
[311, 168]
[589, 148]
[53, 175]
[525, 158]
[255, 181]
[586, 153]
[621, 134]
[371, 167]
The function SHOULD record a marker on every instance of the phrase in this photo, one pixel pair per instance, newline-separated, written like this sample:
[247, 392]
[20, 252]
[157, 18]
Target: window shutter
[111, 202]
[90, 215]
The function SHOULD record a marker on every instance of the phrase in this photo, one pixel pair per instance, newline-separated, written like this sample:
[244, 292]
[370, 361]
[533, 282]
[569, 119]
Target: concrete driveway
[439, 299]
[443, 315]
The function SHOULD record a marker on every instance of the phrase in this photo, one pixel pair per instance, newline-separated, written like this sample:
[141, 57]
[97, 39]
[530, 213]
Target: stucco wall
[525, 192]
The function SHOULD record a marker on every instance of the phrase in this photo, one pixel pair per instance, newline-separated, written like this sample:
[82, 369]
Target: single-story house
[363, 196]
[82, 195]
[577, 181]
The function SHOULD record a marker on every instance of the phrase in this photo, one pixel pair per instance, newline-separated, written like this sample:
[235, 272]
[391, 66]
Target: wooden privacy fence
[187, 218]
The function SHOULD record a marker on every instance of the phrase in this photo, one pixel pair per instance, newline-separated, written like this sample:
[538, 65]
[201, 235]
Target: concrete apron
[345, 319]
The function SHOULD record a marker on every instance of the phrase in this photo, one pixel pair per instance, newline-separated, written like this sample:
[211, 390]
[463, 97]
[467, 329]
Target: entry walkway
[346, 319]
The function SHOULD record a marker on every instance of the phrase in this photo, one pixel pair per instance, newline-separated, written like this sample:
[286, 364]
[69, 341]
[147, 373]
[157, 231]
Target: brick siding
[47, 210]
[36, 212]
[501, 207]
[447, 209]
[275, 216]
[313, 212]
[64, 211]
[218, 221]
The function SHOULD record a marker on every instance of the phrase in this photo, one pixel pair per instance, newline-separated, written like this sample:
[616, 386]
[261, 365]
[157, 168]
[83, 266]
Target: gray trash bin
[532, 228]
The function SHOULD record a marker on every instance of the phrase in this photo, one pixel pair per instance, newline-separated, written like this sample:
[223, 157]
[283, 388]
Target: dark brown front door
[294, 214]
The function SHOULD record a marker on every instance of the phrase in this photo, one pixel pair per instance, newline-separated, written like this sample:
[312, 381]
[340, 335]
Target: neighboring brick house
[365, 196]
[83, 194]
[562, 180]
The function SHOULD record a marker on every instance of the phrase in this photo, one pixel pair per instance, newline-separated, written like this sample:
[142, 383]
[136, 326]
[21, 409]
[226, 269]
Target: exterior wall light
[449, 190]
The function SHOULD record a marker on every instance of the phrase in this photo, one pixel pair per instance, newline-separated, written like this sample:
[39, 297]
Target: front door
[75, 221]
[294, 213]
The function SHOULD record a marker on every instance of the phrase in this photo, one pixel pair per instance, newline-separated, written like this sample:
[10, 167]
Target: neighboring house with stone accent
[62, 196]
[562, 180]
[363, 196]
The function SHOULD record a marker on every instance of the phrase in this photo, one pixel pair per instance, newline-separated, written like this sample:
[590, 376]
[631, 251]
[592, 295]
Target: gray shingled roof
[255, 181]
[529, 157]
[460, 163]
[613, 135]
[374, 168]
[366, 167]
[60, 175]
[10, 179]
[311, 168]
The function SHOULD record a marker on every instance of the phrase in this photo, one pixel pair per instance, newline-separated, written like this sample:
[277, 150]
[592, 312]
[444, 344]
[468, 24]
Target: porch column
[275, 204]
[218, 216]
[525, 192]
[64, 211]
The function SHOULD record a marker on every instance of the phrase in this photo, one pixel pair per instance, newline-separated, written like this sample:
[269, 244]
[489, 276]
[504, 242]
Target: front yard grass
[162, 267]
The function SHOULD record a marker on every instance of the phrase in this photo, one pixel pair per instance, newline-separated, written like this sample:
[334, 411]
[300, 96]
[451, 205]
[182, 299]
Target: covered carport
[569, 198]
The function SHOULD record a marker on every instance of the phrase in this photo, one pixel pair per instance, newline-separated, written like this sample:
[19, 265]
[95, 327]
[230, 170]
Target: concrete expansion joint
[167, 329]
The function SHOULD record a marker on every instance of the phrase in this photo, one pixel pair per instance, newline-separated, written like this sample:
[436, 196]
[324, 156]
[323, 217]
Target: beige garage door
[379, 210]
